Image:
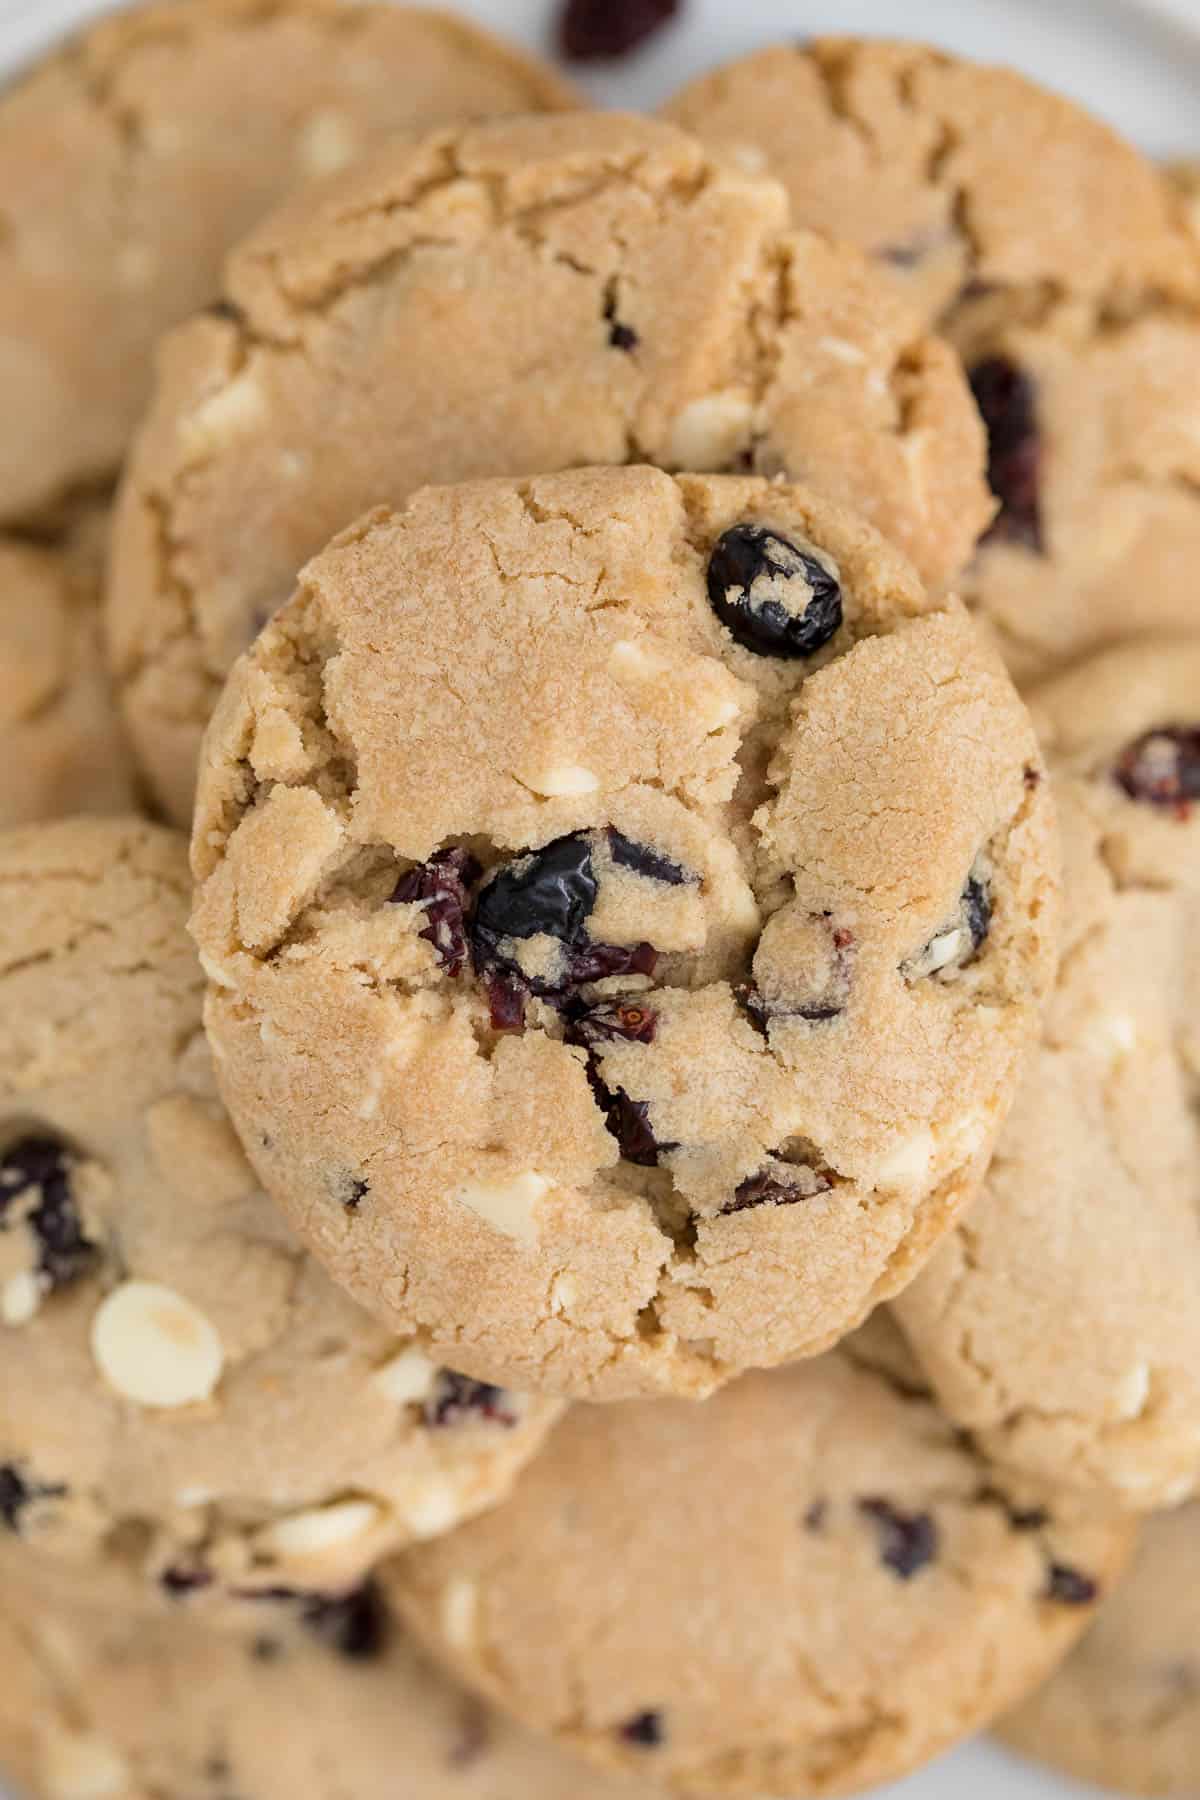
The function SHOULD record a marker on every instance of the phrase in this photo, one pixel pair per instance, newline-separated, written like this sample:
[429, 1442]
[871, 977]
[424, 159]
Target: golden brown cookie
[179, 1377]
[514, 299]
[806, 1586]
[1055, 259]
[136, 154]
[626, 901]
[1058, 1321]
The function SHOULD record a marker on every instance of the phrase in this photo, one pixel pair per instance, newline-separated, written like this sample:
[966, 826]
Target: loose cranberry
[775, 598]
[600, 30]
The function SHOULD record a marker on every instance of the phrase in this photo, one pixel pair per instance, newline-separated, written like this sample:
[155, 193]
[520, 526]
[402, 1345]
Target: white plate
[1137, 62]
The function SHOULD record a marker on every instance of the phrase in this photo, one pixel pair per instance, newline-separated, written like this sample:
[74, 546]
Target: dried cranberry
[185, 1578]
[620, 335]
[959, 941]
[777, 1185]
[629, 1122]
[441, 886]
[1068, 1587]
[907, 1541]
[354, 1624]
[611, 1020]
[645, 1729]
[1162, 768]
[815, 1517]
[457, 1398]
[775, 598]
[506, 1002]
[16, 1493]
[627, 1119]
[1005, 397]
[643, 861]
[592, 30]
[44, 1165]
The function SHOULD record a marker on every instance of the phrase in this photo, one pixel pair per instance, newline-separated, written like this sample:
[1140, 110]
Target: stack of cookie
[633, 926]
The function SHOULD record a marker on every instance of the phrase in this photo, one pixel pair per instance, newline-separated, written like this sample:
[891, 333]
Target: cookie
[626, 901]
[1124, 1710]
[180, 1378]
[358, 358]
[1072, 294]
[806, 1586]
[1058, 1320]
[62, 747]
[99, 1703]
[133, 157]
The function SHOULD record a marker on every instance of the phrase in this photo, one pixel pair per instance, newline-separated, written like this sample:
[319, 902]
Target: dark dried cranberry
[775, 599]
[753, 1005]
[551, 893]
[646, 1729]
[44, 1165]
[442, 886]
[629, 1122]
[506, 1002]
[819, 1007]
[1005, 397]
[609, 1021]
[225, 309]
[457, 1398]
[596, 30]
[643, 861]
[977, 909]
[356, 1192]
[907, 1541]
[620, 335]
[960, 940]
[1162, 768]
[777, 1185]
[185, 1578]
[1068, 1587]
[815, 1517]
[595, 962]
[16, 1493]
[354, 1624]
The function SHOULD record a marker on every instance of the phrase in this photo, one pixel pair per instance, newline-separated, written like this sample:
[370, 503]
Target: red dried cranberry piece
[442, 886]
[456, 1398]
[610, 1020]
[645, 1729]
[753, 574]
[907, 1541]
[593, 30]
[774, 1186]
[1162, 768]
[1005, 397]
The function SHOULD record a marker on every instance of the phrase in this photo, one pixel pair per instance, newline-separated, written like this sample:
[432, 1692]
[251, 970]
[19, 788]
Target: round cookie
[809, 1585]
[1072, 295]
[357, 357]
[1124, 1709]
[133, 157]
[99, 1703]
[182, 1384]
[1058, 1320]
[62, 747]
[626, 900]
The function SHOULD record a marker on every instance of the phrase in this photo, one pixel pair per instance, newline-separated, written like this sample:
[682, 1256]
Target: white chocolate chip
[154, 1347]
[1111, 1034]
[564, 779]
[328, 143]
[628, 657]
[710, 432]
[748, 157]
[840, 350]
[909, 1163]
[216, 974]
[407, 1377]
[715, 712]
[942, 950]
[508, 1206]
[1132, 1392]
[320, 1529]
[20, 1298]
[460, 1612]
[563, 1294]
[1181, 1489]
[81, 1766]
[435, 1510]
[220, 419]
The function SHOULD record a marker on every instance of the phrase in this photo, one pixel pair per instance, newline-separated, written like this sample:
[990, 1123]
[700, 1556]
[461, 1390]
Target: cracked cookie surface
[1124, 1709]
[807, 1585]
[360, 359]
[99, 1702]
[621, 1000]
[1058, 1320]
[134, 156]
[182, 1382]
[64, 745]
[1072, 296]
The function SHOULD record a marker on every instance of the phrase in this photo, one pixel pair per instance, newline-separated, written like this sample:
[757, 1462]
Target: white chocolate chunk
[218, 420]
[20, 1298]
[407, 1377]
[436, 1509]
[709, 433]
[508, 1206]
[563, 1294]
[563, 780]
[840, 350]
[154, 1347]
[320, 1529]
[909, 1163]
[81, 1766]
[943, 950]
[328, 143]
[1132, 1392]
[460, 1612]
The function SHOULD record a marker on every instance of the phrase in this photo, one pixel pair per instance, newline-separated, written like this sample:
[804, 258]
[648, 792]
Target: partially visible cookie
[62, 746]
[136, 154]
[808, 1585]
[357, 357]
[1054, 257]
[98, 1704]
[1124, 1710]
[626, 901]
[1058, 1321]
[183, 1386]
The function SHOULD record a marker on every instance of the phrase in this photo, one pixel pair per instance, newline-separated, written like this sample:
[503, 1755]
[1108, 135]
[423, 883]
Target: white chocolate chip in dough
[562, 780]
[81, 1766]
[1132, 1392]
[328, 143]
[709, 433]
[508, 1206]
[908, 1163]
[154, 1347]
[20, 1298]
[319, 1530]
[407, 1377]
[219, 420]
[434, 1510]
[460, 1612]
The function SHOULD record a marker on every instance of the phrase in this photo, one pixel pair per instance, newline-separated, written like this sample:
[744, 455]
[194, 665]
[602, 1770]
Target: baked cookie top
[626, 901]
[512, 299]
[181, 1380]
[132, 158]
[1058, 1320]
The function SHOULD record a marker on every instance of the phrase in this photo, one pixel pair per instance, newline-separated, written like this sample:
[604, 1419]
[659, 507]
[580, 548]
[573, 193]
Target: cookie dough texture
[1057, 261]
[184, 1388]
[1124, 1710]
[132, 159]
[62, 747]
[1058, 1320]
[771, 992]
[98, 1703]
[654, 306]
[868, 1598]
